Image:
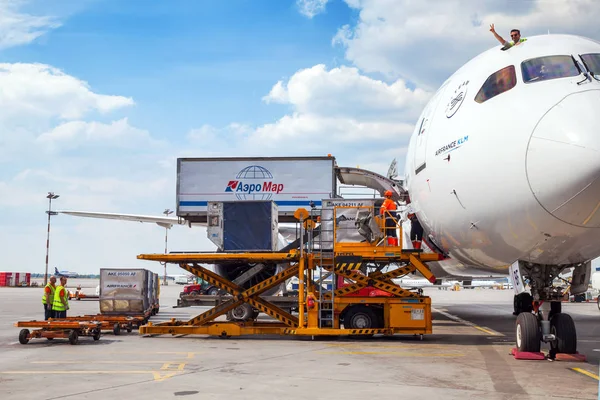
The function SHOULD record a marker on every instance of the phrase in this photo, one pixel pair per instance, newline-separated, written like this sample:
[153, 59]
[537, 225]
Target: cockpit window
[497, 83]
[592, 62]
[549, 67]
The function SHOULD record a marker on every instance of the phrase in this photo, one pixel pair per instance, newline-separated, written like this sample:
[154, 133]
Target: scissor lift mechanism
[399, 306]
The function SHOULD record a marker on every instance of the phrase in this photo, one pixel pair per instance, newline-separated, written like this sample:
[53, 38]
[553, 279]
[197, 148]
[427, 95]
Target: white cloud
[42, 91]
[339, 111]
[345, 92]
[73, 134]
[310, 8]
[18, 28]
[425, 41]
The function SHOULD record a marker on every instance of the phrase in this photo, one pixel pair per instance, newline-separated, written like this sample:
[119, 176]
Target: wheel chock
[571, 357]
[526, 355]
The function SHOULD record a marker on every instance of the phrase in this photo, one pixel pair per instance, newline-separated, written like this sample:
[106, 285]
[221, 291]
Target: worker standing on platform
[388, 212]
[48, 298]
[416, 230]
[61, 300]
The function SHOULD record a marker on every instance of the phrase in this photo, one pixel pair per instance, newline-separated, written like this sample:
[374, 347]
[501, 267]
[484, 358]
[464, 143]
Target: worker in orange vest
[388, 212]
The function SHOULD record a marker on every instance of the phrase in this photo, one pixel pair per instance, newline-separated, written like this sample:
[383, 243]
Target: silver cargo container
[124, 291]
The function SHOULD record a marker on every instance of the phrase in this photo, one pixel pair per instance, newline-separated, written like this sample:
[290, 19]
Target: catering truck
[290, 182]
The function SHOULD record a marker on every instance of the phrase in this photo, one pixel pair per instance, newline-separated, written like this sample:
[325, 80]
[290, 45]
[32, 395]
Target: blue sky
[209, 61]
[98, 98]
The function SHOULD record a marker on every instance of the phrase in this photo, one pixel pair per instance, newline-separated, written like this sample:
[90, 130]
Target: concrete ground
[466, 357]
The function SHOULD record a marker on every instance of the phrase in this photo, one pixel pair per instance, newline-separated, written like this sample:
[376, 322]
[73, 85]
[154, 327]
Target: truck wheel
[96, 335]
[116, 329]
[360, 317]
[213, 291]
[73, 337]
[24, 336]
[242, 313]
[194, 293]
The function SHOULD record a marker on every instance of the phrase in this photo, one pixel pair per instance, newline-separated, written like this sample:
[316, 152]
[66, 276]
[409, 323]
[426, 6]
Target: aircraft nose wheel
[563, 328]
[528, 333]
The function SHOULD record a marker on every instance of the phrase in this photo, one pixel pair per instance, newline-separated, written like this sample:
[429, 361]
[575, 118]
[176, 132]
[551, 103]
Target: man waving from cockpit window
[515, 35]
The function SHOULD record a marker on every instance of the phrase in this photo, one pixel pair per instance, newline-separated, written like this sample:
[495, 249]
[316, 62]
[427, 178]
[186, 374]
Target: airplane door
[424, 131]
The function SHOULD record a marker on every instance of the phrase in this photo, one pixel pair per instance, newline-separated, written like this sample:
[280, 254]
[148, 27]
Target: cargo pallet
[59, 329]
[359, 303]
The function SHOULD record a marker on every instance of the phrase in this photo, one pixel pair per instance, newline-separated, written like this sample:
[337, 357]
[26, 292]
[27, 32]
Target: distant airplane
[66, 274]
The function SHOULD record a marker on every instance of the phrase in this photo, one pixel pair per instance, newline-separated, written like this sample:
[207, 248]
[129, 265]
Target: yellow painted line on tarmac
[393, 353]
[418, 345]
[88, 362]
[157, 375]
[489, 332]
[188, 354]
[467, 323]
[586, 373]
[173, 366]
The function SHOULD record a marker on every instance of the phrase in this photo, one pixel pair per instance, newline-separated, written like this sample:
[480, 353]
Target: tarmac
[467, 356]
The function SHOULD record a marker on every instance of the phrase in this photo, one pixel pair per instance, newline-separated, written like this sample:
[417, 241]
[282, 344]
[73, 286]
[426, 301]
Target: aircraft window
[592, 62]
[549, 67]
[497, 83]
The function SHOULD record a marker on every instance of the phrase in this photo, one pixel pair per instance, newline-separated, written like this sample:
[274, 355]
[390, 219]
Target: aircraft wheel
[555, 308]
[523, 302]
[528, 333]
[563, 327]
[24, 336]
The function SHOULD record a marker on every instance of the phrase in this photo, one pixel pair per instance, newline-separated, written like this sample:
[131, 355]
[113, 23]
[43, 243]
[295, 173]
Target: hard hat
[388, 193]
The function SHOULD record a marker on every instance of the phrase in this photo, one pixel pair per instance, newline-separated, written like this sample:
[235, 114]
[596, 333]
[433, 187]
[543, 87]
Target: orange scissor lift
[361, 300]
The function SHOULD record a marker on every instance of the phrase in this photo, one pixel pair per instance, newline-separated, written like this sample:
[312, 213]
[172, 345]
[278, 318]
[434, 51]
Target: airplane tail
[56, 271]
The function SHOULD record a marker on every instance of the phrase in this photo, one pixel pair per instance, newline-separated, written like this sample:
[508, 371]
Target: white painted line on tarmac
[467, 323]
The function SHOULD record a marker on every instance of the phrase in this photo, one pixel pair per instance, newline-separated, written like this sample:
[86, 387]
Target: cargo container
[6, 279]
[291, 182]
[127, 291]
[243, 226]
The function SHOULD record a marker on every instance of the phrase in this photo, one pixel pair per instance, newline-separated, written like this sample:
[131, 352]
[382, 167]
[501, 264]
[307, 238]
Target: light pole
[167, 212]
[51, 196]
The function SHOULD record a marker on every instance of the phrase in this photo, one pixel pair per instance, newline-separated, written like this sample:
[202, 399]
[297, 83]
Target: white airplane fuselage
[517, 176]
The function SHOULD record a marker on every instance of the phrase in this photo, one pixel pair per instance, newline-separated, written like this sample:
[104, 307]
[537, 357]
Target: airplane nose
[563, 160]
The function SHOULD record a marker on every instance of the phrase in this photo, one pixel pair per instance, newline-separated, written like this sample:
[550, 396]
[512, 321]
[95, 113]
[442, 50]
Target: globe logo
[254, 172]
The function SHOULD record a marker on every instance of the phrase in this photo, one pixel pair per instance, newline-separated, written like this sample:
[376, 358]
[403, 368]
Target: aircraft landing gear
[549, 325]
[539, 314]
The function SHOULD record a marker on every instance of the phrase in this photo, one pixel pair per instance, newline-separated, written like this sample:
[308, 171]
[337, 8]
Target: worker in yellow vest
[48, 298]
[61, 300]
